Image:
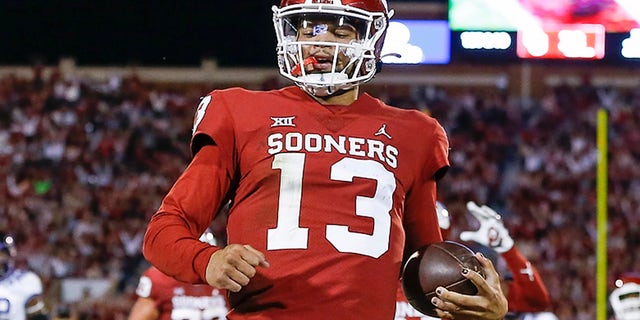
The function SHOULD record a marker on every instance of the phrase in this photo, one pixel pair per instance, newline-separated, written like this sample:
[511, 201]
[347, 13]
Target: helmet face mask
[329, 46]
[311, 35]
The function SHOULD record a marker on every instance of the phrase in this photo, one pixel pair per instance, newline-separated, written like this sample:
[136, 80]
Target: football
[439, 264]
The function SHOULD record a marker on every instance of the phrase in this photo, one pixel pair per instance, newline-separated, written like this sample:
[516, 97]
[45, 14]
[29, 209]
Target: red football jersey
[527, 292]
[178, 300]
[328, 193]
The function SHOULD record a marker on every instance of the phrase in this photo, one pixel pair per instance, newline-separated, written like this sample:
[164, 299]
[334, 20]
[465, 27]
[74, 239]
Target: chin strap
[311, 83]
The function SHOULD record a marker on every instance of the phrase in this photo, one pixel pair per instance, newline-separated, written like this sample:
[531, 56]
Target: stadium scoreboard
[604, 31]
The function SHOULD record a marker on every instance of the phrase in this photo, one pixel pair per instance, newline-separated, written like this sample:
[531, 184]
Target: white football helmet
[625, 300]
[369, 18]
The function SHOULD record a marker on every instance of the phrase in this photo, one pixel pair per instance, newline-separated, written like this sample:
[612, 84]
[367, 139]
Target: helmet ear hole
[380, 23]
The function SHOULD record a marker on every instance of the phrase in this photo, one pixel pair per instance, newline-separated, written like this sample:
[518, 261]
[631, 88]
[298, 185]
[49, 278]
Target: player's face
[326, 30]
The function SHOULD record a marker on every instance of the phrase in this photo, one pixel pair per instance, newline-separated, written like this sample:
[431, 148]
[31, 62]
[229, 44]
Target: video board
[607, 30]
[417, 42]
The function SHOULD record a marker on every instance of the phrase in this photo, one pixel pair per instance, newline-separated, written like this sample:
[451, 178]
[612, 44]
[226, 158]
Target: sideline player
[20, 290]
[527, 295]
[161, 297]
[625, 299]
[327, 183]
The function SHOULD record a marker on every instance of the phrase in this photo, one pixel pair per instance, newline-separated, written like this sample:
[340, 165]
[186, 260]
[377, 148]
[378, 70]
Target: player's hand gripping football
[489, 303]
[492, 232]
[233, 266]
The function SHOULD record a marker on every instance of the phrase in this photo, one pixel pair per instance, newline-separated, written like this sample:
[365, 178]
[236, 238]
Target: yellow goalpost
[602, 178]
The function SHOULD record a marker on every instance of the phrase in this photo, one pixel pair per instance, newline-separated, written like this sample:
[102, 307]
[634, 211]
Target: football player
[328, 184]
[625, 299]
[20, 290]
[161, 297]
[527, 295]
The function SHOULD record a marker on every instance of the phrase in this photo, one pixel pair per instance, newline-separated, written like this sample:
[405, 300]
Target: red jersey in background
[177, 300]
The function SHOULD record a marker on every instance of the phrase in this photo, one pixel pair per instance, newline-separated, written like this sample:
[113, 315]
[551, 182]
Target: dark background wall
[236, 32]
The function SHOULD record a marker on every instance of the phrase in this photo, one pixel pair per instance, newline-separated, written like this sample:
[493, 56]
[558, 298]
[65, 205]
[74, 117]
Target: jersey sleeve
[527, 292]
[171, 241]
[33, 282]
[213, 124]
[421, 220]
[440, 157]
[172, 238]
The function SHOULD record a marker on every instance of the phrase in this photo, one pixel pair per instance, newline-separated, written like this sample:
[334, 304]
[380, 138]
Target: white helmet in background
[625, 300]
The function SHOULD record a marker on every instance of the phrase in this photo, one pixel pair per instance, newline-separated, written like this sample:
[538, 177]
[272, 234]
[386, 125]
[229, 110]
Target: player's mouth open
[313, 64]
[322, 64]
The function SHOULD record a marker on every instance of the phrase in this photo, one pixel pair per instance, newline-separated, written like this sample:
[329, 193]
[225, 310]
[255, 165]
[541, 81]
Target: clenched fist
[233, 267]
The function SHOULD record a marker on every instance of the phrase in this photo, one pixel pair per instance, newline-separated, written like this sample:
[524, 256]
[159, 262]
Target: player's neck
[344, 98]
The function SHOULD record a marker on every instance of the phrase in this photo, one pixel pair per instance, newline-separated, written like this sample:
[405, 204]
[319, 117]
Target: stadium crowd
[85, 164]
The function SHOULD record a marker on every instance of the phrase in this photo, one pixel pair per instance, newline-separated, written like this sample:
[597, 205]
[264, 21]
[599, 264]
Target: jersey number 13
[289, 235]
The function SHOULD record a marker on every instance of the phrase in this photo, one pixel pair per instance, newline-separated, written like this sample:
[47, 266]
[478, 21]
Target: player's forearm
[175, 251]
[171, 241]
[421, 220]
[527, 291]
